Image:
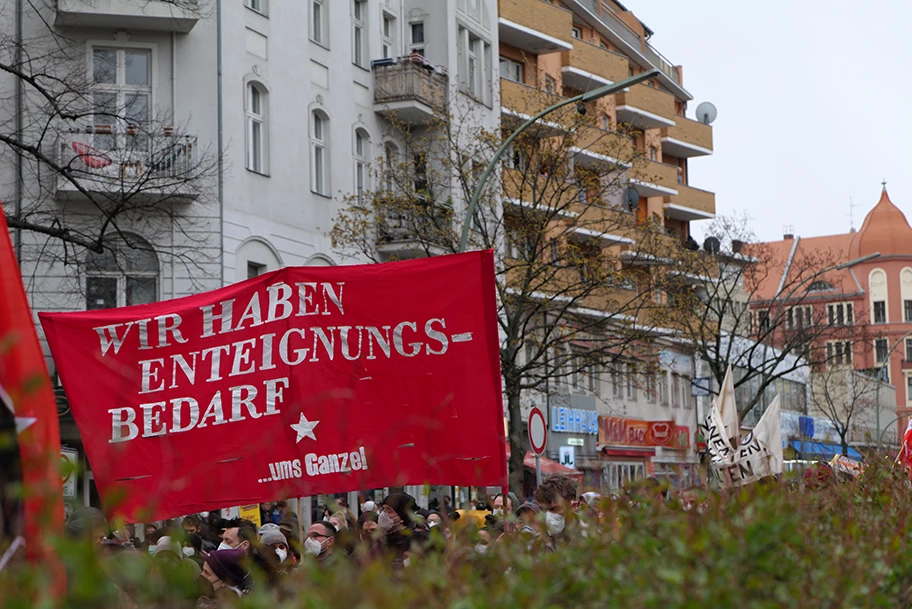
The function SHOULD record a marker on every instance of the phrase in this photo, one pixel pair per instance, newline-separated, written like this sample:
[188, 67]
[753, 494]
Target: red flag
[303, 381]
[905, 452]
[28, 409]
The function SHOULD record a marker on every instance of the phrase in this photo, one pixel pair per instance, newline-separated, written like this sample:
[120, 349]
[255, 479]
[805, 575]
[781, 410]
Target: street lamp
[585, 97]
[880, 378]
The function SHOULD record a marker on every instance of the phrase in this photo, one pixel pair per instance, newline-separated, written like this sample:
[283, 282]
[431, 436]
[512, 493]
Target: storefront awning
[825, 450]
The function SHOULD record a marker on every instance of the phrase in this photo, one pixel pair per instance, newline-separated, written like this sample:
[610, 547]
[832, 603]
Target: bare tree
[88, 165]
[847, 398]
[573, 281]
[736, 309]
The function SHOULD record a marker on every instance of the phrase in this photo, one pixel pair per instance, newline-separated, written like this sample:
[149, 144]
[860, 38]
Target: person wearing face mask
[401, 537]
[556, 496]
[320, 542]
[273, 539]
[192, 549]
[239, 535]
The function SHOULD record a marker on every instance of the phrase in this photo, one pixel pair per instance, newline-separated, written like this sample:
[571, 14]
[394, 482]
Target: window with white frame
[763, 320]
[675, 389]
[577, 32]
[631, 383]
[255, 269]
[840, 314]
[880, 311]
[387, 36]
[416, 37]
[909, 349]
[319, 153]
[511, 70]
[838, 352]
[124, 274]
[909, 388]
[592, 378]
[362, 150]
[256, 127]
[550, 84]
[319, 19]
[121, 98]
[616, 381]
[662, 387]
[390, 165]
[474, 72]
[257, 5]
[650, 388]
[880, 350]
[359, 33]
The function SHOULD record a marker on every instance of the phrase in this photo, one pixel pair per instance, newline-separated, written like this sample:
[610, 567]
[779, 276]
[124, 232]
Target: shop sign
[576, 442]
[568, 456]
[574, 420]
[681, 438]
[631, 432]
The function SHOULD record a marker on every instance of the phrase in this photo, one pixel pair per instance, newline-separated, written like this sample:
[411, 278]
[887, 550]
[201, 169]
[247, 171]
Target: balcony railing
[410, 78]
[104, 160]
[426, 223]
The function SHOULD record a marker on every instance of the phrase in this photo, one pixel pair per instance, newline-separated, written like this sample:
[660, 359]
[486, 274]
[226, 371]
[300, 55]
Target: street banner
[31, 489]
[845, 465]
[299, 382]
[728, 409]
[615, 431]
[905, 451]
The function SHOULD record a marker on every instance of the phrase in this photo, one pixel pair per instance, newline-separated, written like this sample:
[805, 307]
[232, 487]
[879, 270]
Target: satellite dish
[632, 197]
[706, 113]
[712, 245]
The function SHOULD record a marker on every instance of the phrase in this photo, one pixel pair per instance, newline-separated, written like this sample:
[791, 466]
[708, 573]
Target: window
[909, 349]
[511, 70]
[880, 312]
[662, 387]
[416, 37]
[319, 157]
[839, 352]
[840, 314]
[631, 384]
[387, 36]
[763, 320]
[256, 5]
[255, 269]
[121, 98]
[651, 389]
[256, 128]
[362, 148]
[577, 33]
[318, 20]
[606, 122]
[907, 310]
[420, 176]
[909, 389]
[474, 59]
[390, 165]
[653, 153]
[514, 158]
[686, 398]
[592, 378]
[675, 390]
[880, 350]
[359, 33]
[798, 318]
[124, 274]
[550, 84]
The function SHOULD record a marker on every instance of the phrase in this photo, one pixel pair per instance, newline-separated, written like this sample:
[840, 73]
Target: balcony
[128, 166]
[688, 138]
[534, 27]
[415, 231]
[587, 66]
[411, 89]
[646, 107]
[519, 102]
[597, 147]
[654, 179]
[152, 15]
[691, 204]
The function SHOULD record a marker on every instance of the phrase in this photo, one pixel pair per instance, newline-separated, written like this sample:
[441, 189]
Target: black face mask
[205, 588]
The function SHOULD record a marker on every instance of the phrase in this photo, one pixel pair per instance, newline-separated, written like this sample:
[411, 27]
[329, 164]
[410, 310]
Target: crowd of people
[219, 559]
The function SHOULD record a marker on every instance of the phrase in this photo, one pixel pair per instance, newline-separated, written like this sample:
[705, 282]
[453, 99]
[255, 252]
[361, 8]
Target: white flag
[728, 409]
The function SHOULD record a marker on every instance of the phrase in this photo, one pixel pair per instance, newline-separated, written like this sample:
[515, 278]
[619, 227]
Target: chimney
[788, 233]
[737, 246]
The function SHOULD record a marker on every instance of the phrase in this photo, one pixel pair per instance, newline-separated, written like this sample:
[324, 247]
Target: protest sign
[299, 382]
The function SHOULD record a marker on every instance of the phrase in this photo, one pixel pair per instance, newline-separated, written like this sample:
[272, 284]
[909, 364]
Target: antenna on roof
[852, 207]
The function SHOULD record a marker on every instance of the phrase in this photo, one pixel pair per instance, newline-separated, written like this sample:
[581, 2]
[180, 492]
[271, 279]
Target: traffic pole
[538, 479]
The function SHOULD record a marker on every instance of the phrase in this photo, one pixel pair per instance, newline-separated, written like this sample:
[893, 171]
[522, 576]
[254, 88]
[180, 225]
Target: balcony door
[122, 100]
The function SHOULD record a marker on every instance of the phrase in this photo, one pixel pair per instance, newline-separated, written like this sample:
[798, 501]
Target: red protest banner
[28, 418]
[303, 381]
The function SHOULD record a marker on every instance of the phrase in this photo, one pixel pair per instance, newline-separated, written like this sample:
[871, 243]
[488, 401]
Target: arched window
[124, 274]
[257, 127]
[606, 122]
[319, 153]
[362, 173]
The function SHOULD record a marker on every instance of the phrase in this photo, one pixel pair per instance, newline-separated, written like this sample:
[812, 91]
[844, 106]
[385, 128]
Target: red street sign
[538, 431]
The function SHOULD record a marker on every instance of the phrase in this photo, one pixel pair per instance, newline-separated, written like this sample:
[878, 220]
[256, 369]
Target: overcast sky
[813, 99]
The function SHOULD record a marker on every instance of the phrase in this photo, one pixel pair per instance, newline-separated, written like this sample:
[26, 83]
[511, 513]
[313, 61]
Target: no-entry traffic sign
[538, 431]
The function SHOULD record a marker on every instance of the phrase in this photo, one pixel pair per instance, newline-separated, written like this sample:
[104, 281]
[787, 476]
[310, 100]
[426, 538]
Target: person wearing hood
[401, 537]
[227, 575]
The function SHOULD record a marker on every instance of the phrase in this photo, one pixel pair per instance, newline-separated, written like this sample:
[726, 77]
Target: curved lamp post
[585, 97]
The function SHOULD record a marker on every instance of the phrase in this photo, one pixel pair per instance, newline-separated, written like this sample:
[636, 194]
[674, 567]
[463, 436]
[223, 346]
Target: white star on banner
[22, 423]
[305, 428]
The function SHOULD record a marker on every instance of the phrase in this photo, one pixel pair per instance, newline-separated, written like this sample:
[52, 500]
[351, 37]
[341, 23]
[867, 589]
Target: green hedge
[770, 545]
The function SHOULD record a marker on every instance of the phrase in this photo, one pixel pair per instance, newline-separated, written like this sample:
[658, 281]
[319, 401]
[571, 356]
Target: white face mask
[282, 554]
[498, 511]
[385, 522]
[433, 524]
[204, 515]
[313, 547]
[481, 548]
[188, 551]
[555, 523]
[224, 546]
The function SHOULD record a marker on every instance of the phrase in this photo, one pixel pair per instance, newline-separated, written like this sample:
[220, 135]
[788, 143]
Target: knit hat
[403, 504]
[268, 527]
[226, 564]
[272, 537]
[166, 544]
[528, 506]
